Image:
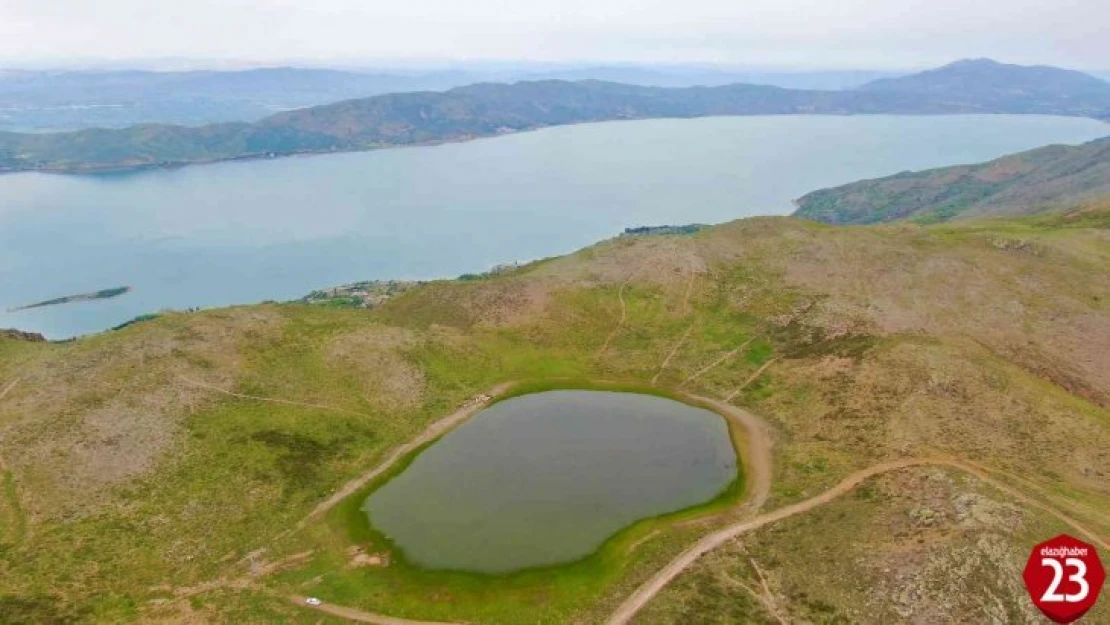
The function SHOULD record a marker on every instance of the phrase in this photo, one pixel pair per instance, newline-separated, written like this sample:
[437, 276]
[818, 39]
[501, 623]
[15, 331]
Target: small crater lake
[547, 478]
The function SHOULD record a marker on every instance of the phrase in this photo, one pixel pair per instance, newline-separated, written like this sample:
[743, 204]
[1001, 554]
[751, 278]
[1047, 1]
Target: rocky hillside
[1041, 180]
[166, 472]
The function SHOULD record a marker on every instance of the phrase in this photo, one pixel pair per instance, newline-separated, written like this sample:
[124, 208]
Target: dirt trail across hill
[273, 400]
[8, 388]
[677, 346]
[359, 616]
[432, 432]
[756, 455]
[758, 460]
[648, 590]
[620, 322]
[706, 369]
[751, 378]
[689, 292]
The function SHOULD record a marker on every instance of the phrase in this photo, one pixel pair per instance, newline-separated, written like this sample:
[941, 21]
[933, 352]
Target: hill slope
[986, 85]
[1029, 182]
[491, 109]
[164, 472]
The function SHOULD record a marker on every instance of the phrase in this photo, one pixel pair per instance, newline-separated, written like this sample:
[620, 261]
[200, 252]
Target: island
[80, 297]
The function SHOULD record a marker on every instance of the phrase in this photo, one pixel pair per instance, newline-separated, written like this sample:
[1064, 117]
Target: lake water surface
[243, 232]
[547, 478]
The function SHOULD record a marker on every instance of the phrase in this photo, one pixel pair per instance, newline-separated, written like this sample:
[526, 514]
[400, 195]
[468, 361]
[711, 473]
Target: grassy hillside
[491, 109]
[1041, 180]
[166, 471]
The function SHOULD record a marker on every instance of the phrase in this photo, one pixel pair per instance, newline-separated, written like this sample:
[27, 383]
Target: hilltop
[990, 86]
[1040, 180]
[490, 109]
[166, 472]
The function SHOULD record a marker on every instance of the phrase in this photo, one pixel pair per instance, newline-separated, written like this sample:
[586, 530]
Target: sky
[798, 34]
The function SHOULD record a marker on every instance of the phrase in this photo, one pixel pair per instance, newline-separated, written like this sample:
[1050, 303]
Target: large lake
[248, 231]
[546, 478]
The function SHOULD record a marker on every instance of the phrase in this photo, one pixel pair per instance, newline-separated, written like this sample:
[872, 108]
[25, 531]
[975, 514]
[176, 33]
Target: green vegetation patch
[552, 593]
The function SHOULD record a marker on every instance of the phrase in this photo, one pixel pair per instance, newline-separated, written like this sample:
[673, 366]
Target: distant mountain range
[1040, 180]
[37, 101]
[488, 109]
[990, 86]
[51, 101]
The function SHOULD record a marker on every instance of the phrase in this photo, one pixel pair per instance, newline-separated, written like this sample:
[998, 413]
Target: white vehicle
[312, 601]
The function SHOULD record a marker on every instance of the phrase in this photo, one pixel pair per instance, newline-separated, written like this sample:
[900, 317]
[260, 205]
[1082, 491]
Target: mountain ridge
[1035, 181]
[490, 109]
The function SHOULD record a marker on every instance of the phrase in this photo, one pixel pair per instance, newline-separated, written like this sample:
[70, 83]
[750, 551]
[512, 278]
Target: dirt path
[713, 364]
[359, 616]
[620, 322]
[677, 346]
[649, 589]
[758, 462]
[8, 388]
[689, 291]
[432, 432]
[751, 378]
[756, 454]
[287, 402]
[983, 475]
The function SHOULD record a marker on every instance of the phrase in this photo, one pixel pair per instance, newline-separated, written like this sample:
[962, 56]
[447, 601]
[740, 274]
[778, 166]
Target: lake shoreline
[265, 156]
[242, 233]
[346, 515]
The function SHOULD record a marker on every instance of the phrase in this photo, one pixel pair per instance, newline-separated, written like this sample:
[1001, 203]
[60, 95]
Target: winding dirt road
[432, 432]
[8, 388]
[756, 454]
[757, 457]
[272, 400]
[359, 616]
[648, 590]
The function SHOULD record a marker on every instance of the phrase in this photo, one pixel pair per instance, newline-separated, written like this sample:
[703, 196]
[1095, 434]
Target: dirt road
[432, 432]
[359, 616]
[8, 388]
[620, 322]
[272, 400]
[756, 454]
[648, 590]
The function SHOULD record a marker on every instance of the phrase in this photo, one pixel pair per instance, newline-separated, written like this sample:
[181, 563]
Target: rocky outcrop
[19, 335]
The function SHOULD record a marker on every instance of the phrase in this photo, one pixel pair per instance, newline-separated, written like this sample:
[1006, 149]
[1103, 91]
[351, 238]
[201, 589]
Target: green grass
[15, 520]
[547, 594]
[237, 474]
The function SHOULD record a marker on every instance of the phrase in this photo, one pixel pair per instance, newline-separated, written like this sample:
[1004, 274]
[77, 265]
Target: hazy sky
[786, 33]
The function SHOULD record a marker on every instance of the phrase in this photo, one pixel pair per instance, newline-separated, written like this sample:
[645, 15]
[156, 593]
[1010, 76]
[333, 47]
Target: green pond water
[546, 478]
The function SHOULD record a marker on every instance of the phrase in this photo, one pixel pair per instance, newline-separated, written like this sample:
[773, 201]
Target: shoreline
[93, 170]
